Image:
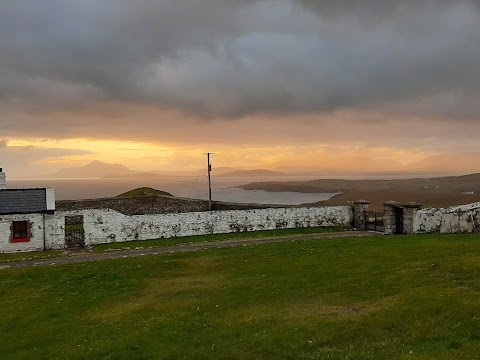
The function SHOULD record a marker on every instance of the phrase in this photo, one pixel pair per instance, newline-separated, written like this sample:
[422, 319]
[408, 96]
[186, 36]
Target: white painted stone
[55, 231]
[458, 219]
[43, 227]
[36, 233]
[105, 226]
[50, 197]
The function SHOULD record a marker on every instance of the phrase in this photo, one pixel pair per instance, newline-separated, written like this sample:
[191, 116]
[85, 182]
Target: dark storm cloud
[235, 58]
[374, 8]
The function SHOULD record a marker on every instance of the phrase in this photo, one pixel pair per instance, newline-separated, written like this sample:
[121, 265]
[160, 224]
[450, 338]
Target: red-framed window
[20, 231]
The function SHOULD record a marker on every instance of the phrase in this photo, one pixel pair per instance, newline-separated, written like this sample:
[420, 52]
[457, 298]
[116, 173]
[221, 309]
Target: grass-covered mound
[143, 191]
[405, 297]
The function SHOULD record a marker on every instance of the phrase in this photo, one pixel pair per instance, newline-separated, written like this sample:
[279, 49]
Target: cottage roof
[25, 201]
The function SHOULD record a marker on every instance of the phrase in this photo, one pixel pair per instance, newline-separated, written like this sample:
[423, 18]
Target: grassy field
[405, 297]
[33, 255]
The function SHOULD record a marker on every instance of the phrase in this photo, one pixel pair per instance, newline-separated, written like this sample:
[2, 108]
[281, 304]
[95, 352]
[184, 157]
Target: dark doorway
[74, 234]
[399, 220]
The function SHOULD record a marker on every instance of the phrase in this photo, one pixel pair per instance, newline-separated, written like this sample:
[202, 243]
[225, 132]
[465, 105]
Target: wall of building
[104, 226]
[458, 219]
[36, 233]
[53, 232]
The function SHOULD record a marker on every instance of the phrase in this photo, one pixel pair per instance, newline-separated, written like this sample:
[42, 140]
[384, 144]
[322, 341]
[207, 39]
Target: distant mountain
[95, 169]
[136, 175]
[448, 163]
[216, 170]
[224, 170]
[98, 169]
[252, 173]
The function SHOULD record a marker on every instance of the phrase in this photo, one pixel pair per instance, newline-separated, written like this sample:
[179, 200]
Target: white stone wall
[55, 231]
[104, 226]
[36, 233]
[458, 219]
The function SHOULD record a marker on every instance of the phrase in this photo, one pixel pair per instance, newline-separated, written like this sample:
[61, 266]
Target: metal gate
[374, 221]
[74, 239]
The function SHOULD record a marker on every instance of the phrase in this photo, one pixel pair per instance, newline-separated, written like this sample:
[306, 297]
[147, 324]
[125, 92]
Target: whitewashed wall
[103, 226]
[458, 219]
[54, 232]
[36, 233]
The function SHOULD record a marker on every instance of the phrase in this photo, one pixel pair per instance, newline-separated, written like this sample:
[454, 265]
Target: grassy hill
[143, 191]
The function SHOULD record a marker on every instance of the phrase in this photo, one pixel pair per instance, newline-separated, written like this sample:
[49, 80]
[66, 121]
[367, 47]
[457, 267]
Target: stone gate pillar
[397, 214]
[389, 218]
[408, 212]
[360, 207]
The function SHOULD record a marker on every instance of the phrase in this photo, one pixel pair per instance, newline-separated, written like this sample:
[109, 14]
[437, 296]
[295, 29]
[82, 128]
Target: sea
[223, 188]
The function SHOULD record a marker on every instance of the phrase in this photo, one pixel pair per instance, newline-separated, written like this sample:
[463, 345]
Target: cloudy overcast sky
[153, 84]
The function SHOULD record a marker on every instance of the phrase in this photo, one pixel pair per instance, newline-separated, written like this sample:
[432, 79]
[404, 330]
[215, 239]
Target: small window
[20, 231]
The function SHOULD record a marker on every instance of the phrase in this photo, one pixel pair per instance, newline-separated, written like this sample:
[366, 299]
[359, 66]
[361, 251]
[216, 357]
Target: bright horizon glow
[144, 156]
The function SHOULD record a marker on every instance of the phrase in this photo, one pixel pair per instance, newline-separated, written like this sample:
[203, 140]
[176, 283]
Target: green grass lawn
[32, 255]
[215, 237]
[405, 297]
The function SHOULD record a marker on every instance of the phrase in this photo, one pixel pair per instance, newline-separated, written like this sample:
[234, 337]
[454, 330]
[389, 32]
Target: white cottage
[26, 217]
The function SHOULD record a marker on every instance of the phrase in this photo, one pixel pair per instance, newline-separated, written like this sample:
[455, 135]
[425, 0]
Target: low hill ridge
[451, 184]
[144, 191]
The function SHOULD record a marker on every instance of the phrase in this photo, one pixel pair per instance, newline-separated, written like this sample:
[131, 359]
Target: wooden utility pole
[209, 181]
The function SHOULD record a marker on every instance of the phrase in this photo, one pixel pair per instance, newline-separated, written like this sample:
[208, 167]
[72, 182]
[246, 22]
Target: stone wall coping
[412, 205]
[393, 203]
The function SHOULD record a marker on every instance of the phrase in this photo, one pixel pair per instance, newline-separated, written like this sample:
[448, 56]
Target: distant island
[137, 175]
[94, 169]
[253, 173]
[99, 169]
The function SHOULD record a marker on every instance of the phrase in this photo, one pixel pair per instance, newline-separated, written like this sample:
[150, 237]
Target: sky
[344, 85]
